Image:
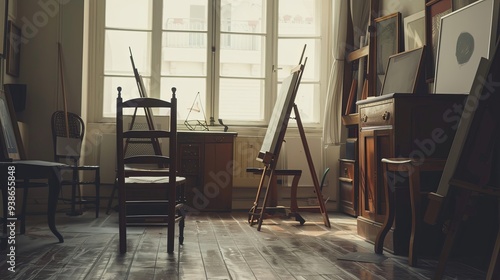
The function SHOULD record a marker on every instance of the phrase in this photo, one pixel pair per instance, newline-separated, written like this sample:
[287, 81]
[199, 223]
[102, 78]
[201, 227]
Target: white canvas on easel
[281, 113]
[466, 35]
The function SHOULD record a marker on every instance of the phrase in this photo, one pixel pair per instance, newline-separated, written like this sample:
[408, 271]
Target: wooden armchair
[156, 174]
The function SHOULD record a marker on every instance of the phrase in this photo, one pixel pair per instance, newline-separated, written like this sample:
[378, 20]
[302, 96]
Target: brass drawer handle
[364, 118]
[386, 115]
[346, 173]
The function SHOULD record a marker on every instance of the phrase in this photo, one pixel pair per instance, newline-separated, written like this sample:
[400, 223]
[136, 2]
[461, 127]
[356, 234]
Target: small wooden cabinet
[399, 125]
[348, 183]
[205, 158]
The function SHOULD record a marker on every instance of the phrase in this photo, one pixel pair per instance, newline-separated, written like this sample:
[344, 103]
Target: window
[225, 57]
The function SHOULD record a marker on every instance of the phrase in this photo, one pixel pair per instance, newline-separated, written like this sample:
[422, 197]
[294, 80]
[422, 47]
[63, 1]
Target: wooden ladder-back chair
[67, 141]
[156, 174]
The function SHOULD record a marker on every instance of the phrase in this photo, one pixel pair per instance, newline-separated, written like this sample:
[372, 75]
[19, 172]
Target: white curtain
[332, 124]
[360, 13]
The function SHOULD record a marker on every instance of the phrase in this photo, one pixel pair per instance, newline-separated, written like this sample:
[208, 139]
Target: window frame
[96, 66]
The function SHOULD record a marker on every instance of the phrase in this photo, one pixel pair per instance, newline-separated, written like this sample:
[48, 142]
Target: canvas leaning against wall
[466, 35]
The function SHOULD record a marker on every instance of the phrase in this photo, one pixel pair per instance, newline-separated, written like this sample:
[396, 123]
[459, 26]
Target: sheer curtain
[331, 124]
[360, 9]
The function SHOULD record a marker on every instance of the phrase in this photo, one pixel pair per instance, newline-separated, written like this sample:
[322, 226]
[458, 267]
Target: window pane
[241, 99]
[184, 54]
[187, 88]
[185, 40]
[117, 54]
[299, 17]
[129, 90]
[185, 15]
[289, 52]
[120, 12]
[246, 16]
[242, 56]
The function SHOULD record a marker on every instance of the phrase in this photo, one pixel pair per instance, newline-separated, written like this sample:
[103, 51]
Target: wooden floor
[217, 246]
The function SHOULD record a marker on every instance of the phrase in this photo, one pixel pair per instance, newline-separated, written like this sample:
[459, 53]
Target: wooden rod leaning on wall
[357, 54]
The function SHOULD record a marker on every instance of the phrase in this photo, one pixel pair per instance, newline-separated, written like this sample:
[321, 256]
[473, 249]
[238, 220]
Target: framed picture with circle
[462, 43]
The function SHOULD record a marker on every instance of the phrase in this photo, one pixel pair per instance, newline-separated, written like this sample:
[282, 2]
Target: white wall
[45, 23]
[405, 7]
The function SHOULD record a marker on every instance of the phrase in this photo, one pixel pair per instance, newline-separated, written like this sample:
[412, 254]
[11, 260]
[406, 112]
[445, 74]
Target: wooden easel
[147, 111]
[271, 148]
[471, 171]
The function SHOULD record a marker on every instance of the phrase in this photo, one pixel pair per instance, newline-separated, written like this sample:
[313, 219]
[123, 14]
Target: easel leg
[251, 216]
[494, 267]
[462, 198]
[319, 195]
[266, 196]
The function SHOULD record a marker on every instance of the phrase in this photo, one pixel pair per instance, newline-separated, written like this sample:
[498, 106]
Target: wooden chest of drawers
[205, 158]
[399, 125]
[348, 184]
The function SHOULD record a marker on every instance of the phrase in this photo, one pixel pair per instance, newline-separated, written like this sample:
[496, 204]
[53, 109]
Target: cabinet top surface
[205, 132]
[408, 96]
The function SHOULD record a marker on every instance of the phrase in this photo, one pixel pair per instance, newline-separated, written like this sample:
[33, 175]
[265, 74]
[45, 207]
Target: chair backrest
[67, 139]
[123, 134]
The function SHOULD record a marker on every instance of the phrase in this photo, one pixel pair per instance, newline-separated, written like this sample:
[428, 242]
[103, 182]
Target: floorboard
[216, 246]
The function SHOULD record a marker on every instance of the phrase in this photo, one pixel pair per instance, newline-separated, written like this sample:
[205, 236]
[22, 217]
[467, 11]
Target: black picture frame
[434, 11]
[13, 49]
[4, 15]
[388, 41]
[404, 72]
[10, 142]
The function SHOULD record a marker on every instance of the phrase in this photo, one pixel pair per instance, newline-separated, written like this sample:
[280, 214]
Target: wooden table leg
[54, 189]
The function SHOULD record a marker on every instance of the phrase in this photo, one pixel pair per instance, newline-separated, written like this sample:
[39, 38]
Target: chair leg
[122, 220]
[97, 192]
[389, 217]
[111, 197]
[74, 186]
[23, 210]
[182, 213]
[416, 216]
[171, 220]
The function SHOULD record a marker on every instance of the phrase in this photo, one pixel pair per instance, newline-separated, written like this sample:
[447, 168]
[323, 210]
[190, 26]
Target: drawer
[189, 150]
[190, 167]
[376, 114]
[346, 170]
[189, 138]
[219, 138]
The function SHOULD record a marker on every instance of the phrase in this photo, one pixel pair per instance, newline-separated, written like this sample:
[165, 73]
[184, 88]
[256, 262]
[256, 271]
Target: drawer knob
[345, 172]
[364, 118]
[386, 116]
